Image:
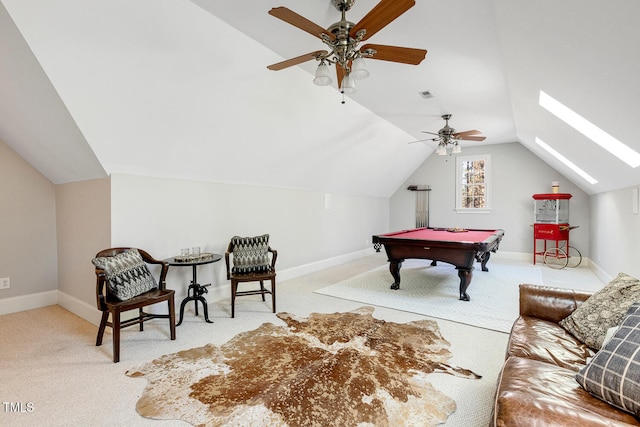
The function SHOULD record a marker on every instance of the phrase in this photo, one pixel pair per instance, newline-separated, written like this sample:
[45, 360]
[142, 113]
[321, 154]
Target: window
[473, 178]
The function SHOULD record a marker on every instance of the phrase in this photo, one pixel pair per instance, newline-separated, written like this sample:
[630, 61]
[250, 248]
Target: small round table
[195, 291]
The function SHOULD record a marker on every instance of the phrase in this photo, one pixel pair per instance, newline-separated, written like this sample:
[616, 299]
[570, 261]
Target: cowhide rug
[341, 369]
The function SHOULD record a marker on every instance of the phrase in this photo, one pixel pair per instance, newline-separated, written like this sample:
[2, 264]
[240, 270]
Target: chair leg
[262, 289]
[172, 318]
[234, 289]
[273, 294]
[103, 324]
[140, 315]
[116, 336]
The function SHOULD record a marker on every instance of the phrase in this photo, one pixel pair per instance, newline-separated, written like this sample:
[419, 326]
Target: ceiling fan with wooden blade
[343, 39]
[297, 60]
[447, 132]
[379, 17]
[299, 21]
[448, 135]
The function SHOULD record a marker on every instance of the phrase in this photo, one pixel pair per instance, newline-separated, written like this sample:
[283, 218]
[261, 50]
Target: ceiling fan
[448, 135]
[343, 39]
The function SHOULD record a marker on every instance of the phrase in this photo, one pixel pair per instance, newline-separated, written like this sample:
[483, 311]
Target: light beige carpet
[343, 369]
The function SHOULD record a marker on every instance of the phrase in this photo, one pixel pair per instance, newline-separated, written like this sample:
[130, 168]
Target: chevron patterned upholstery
[127, 274]
[250, 254]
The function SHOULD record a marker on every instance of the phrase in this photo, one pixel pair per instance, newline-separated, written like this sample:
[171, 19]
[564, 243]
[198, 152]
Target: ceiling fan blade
[381, 16]
[422, 140]
[472, 138]
[297, 60]
[406, 55]
[432, 133]
[466, 132]
[340, 73]
[289, 16]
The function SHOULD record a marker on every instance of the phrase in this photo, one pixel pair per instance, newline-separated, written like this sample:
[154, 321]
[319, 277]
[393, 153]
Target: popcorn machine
[551, 224]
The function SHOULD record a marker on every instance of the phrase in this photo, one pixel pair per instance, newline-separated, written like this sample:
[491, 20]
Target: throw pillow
[614, 373]
[251, 254]
[603, 310]
[127, 274]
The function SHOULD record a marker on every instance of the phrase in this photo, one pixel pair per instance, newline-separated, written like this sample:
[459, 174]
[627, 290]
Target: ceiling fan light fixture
[348, 84]
[359, 69]
[323, 75]
[441, 150]
[456, 148]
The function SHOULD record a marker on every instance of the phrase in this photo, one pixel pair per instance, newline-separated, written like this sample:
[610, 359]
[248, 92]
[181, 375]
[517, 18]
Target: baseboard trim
[28, 302]
[528, 257]
[92, 315]
[600, 273]
[221, 291]
[292, 273]
[80, 308]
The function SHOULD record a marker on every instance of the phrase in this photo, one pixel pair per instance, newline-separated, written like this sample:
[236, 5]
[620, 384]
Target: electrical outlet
[5, 282]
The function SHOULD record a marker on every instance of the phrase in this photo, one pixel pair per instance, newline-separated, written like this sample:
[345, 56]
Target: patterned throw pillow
[250, 254]
[614, 373]
[603, 310]
[127, 274]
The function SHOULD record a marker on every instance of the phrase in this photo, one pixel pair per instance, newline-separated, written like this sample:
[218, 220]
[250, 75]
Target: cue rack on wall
[422, 204]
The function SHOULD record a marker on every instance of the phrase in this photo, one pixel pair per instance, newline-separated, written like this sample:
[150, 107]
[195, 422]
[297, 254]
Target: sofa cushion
[603, 310]
[546, 341]
[126, 273]
[613, 375]
[534, 393]
[251, 254]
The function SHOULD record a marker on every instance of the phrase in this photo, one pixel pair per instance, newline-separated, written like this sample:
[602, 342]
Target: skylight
[567, 162]
[591, 131]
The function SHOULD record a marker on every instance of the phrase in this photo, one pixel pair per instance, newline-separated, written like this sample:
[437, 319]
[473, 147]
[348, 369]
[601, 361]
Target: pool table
[459, 247]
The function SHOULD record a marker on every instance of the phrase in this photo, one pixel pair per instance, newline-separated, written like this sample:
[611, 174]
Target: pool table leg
[483, 258]
[465, 278]
[394, 268]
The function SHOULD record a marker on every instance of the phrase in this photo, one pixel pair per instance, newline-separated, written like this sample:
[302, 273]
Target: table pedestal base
[195, 293]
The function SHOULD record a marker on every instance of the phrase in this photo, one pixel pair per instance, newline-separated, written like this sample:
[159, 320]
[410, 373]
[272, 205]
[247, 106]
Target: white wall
[164, 215]
[517, 174]
[615, 231]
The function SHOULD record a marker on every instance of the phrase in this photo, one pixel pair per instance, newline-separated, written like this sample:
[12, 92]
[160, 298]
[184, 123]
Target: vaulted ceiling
[180, 88]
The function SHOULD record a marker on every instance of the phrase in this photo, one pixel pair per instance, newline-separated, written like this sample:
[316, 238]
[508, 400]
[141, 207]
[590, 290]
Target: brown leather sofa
[537, 385]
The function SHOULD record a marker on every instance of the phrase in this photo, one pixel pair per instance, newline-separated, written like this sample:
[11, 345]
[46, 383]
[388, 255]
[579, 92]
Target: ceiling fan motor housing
[343, 4]
[446, 132]
[341, 29]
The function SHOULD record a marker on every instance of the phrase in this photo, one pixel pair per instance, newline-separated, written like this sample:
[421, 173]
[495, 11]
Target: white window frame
[487, 181]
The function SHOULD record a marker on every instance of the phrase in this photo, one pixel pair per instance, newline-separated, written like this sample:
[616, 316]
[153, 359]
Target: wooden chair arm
[226, 261]
[101, 292]
[162, 281]
[274, 256]
[100, 289]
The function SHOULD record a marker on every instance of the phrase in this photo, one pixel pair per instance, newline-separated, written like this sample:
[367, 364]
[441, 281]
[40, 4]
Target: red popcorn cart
[551, 231]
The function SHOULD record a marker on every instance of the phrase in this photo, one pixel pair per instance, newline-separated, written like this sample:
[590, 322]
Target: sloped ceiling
[180, 88]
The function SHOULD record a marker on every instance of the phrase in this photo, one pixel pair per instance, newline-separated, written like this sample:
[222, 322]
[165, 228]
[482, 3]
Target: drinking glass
[195, 251]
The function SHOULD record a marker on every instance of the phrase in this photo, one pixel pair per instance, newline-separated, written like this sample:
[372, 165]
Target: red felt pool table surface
[443, 234]
[458, 247]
